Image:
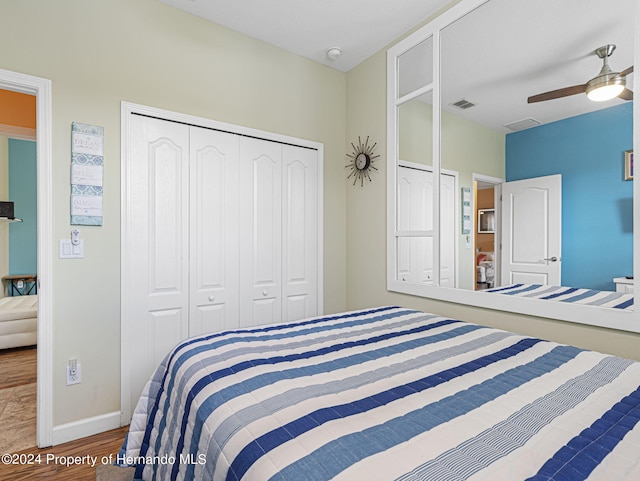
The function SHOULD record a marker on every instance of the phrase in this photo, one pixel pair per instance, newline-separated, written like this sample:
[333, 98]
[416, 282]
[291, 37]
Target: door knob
[264, 293]
[552, 259]
[211, 298]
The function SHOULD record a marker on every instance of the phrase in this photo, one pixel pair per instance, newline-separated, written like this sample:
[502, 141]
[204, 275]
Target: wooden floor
[17, 410]
[17, 367]
[17, 399]
[49, 463]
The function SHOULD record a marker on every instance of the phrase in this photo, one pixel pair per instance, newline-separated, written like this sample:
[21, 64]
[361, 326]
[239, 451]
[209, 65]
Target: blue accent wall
[597, 203]
[23, 236]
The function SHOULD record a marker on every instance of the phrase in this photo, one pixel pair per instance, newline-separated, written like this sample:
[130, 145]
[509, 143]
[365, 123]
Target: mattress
[385, 394]
[18, 307]
[590, 297]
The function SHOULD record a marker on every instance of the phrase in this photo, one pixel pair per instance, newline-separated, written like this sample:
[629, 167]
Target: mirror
[492, 56]
[415, 68]
[486, 83]
[414, 209]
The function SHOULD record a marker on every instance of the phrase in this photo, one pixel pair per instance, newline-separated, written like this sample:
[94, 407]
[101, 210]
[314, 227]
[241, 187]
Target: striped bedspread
[590, 297]
[386, 394]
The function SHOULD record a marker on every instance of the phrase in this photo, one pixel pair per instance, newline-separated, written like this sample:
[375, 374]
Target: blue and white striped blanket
[589, 297]
[386, 394]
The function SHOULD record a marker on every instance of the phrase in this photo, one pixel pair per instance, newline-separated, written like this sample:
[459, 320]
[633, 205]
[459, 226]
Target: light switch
[70, 251]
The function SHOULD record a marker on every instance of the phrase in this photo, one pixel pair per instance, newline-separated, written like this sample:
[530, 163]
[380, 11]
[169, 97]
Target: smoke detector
[333, 53]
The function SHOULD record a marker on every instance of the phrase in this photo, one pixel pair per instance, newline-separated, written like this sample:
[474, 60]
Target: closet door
[448, 230]
[415, 220]
[213, 231]
[299, 233]
[157, 245]
[260, 232]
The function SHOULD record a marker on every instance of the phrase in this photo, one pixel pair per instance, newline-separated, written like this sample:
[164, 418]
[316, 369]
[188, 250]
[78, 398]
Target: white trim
[131, 108]
[392, 168]
[125, 242]
[589, 315]
[15, 132]
[41, 88]
[127, 109]
[320, 274]
[85, 427]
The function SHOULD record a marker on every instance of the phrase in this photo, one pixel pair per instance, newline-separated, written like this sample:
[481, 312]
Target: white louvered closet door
[213, 234]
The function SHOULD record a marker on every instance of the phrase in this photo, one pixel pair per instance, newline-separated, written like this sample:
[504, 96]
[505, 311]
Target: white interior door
[261, 232]
[299, 232]
[214, 241]
[158, 244]
[532, 230]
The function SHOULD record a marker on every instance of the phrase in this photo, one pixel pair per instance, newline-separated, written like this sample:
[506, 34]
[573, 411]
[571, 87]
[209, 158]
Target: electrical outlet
[73, 372]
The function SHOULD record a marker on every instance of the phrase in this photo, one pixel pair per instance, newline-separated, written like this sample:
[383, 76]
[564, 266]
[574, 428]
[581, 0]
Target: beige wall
[366, 236]
[98, 53]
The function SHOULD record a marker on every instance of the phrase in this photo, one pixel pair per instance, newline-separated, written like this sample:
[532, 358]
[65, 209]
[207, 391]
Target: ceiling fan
[606, 85]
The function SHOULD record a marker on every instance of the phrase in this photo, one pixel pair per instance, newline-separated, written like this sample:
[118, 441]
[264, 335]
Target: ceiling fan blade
[624, 73]
[556, 94]
[626, 95]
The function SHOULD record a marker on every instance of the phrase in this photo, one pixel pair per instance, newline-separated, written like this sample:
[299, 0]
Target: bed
[18, 321]
[385, 394]
[591, 297]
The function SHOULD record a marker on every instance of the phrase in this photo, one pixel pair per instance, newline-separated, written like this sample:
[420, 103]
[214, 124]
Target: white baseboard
[85, 427]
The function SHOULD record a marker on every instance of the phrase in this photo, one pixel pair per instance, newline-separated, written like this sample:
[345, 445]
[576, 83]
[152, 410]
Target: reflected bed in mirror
[479, 126]
[587, 297]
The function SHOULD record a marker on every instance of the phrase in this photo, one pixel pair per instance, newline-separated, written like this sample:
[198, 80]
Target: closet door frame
[128, 109]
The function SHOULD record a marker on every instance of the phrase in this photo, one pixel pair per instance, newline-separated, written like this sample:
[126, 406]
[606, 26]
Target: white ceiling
[309, 27]
[496, 57]
[509, 50]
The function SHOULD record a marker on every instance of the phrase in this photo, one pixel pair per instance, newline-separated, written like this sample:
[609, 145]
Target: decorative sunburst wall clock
[361, 163]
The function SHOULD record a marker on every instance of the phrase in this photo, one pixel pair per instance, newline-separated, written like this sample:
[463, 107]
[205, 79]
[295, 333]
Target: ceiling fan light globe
[605, 87]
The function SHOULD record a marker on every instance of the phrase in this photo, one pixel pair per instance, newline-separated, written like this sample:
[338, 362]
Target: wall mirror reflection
[486, 221]
[510, 119]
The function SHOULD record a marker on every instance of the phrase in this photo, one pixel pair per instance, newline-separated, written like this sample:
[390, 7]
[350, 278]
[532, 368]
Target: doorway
[41, 89]
[18, 268]
[486, 231]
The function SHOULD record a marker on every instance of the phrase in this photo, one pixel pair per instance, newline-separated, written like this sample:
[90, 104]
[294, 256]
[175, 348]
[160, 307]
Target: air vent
[522, 124]
[463, 104]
